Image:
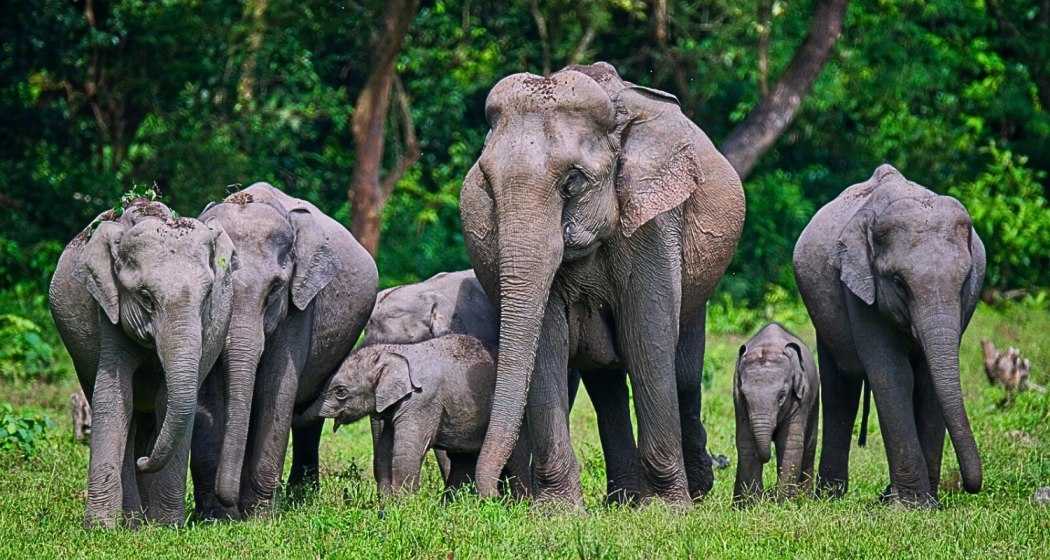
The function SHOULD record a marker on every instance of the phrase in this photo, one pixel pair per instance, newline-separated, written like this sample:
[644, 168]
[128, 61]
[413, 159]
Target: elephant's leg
[647, 332]
[382, 453]
[306, 443]
[204, 456]
[885, 360]
[791, 446]
[273, 408]
[444, 463]
[810, 453]
[517, 473]
[410, 446]
[460, 473]
[689, 369]
[929, 420]
[164, 490]
[748, 485]
[132, 500]
[111, 405]
[608, 392]
[839, 397]
[555, 471]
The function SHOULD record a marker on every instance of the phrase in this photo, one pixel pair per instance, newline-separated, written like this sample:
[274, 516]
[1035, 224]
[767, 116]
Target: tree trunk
[774, 113]
[368, 125]
[255, 12]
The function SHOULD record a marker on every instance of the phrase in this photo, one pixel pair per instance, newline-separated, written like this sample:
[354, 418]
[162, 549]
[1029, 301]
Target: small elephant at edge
[775, 391]
[432, 394]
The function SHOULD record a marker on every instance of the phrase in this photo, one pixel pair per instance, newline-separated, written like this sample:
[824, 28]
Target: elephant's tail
[862, 439]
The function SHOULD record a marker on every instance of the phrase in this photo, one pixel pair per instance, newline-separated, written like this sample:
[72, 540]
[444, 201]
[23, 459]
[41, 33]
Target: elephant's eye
[573, 184]
[145, 298]
[898, 281]
[340, 393]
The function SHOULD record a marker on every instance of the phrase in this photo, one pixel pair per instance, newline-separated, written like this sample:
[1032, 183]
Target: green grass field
[42, 498]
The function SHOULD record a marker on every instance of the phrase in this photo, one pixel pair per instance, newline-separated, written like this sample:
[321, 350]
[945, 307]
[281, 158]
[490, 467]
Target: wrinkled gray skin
[436, 393]
[890, 273]
[301, 297]
[142, 303]
[775, 391]
[599, 219]
[455, 302]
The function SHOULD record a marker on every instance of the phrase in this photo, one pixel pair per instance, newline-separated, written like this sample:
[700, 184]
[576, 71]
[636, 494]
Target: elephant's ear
[439, 322]
[852, 256]
[315, 264]
[658, 167]
[798, 377]
[395, 380]
[223, 265]
[95, 267]
[975, 279]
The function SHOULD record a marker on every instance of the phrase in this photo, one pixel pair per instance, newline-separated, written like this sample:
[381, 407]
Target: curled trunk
[240, 361]
[939, 335]
[179, 348]
[762, 431]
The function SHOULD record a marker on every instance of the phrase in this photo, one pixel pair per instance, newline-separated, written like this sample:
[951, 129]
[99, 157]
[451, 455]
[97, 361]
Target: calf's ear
[395, 380]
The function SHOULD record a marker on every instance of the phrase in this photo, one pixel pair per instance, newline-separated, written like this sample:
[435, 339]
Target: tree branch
[771, 117]
[541, 29]
[410, 150]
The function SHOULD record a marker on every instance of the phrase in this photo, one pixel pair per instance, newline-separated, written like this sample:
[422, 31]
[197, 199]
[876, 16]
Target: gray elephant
[890, 273]
[599, 219]
[775, 391]
[432, 394]
[455, 302]
[142, 302]
[301, 297]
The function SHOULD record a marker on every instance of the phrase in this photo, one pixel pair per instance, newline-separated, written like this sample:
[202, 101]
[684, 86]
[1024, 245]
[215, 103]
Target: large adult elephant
[142, 303]
[890, 273]
[301, 296]
[599, 219]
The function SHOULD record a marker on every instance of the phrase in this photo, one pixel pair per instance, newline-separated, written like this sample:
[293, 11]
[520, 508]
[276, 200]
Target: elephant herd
[598, 220]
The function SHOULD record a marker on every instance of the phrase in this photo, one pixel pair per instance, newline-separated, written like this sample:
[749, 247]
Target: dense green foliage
[953, 93]
[42, 500]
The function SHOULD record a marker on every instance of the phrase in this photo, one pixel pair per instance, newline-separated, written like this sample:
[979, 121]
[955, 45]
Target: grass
[42, 498]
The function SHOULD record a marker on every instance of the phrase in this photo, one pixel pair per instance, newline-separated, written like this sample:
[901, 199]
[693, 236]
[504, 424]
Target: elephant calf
[436, 393]
[775, 391]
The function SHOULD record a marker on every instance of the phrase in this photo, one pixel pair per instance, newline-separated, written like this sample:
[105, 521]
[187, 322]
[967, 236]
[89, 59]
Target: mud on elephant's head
[368, 382]
[167, 282]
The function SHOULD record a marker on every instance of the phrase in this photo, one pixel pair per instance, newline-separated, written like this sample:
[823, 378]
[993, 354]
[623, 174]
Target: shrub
[24, 354]
[21, 432]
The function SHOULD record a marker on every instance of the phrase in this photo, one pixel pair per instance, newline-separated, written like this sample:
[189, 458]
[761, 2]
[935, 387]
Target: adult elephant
[456, 303]
[890, 273]
[599, 219]
[142, 303]
[301, 296]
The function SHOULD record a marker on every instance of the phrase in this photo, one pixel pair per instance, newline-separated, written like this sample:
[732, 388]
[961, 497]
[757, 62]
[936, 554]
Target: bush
[22, 432]
[726, 316]
[1011, 214]
[24, 354]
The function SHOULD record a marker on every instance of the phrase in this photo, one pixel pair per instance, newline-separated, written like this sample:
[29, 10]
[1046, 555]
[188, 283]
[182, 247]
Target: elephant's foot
[910, 499]
[701, 477]
[95, 521]
[831, 489]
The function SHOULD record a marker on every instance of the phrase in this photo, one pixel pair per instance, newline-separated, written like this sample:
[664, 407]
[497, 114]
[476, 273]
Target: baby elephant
[431, 394]
[775, 391]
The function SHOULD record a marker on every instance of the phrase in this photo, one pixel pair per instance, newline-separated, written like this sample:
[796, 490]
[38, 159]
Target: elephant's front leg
[748, 485]
[689, 369]
[839, 397]
[791, 446]
[207, 441]
[382, 453]
[272, 411]
[164, 491]
[111, 406]
[884, 357]
[647, 325]
[608, 392]
[555, 471]
[412, 439]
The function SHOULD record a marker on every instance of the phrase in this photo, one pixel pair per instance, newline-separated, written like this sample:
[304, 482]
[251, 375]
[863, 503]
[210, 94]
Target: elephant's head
[285, 260]
[408, 314]
[770, 383]
[167, 283]
[913, 258]
[571, 161]
[369, 381]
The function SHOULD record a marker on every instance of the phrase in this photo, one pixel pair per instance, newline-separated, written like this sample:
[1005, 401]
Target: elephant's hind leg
[306, 443]
[689, 366]
[840, 395]
[608, 392]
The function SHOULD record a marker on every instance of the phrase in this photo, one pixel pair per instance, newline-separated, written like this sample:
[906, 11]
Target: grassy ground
[42, 499]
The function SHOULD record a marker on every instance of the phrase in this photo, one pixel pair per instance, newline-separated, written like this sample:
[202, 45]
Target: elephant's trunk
[938, 332]
[762, 430]
[179, 348]
[530, 250]
[240, 358]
